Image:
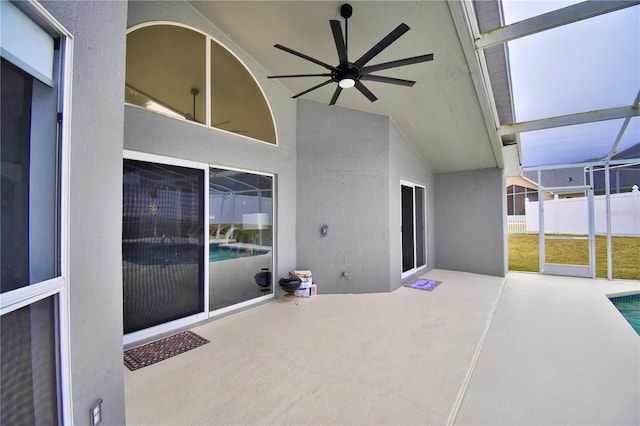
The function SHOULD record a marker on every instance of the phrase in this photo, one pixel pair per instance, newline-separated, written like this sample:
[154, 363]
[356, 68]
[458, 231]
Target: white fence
[517, 224]
[570, 215]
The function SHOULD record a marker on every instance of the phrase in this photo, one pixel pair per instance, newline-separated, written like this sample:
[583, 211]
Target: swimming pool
[145, 253]
[629, 307]
[217, 253]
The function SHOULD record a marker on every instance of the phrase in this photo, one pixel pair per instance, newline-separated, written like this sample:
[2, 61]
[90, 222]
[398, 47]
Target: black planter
[290, 283]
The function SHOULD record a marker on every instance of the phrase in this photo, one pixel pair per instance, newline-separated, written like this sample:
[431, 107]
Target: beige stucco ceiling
[440, 115]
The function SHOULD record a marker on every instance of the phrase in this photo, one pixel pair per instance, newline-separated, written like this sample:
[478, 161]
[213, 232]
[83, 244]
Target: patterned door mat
[162, 349]
[423, 284]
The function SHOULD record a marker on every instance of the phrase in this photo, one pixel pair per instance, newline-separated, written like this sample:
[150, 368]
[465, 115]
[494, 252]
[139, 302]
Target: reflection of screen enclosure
[241, 238]
[162, 243]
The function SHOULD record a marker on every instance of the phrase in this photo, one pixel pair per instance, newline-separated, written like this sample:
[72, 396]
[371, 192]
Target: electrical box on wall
[324, 230]
[95, 413]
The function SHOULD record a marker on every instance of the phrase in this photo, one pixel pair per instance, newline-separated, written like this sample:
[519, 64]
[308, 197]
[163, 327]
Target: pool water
[144, 253]
[225, 253]
[629, 307]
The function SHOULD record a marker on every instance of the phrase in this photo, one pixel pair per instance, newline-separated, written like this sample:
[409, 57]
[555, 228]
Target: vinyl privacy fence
[570, 215]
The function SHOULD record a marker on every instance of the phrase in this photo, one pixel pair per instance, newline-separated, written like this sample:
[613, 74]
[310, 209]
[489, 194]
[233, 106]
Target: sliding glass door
[413, 229]
[240, 237]
[178, 267]
[408, 229]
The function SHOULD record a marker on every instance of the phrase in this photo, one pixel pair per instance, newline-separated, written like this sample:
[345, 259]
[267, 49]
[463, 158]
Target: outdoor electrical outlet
[95, 413]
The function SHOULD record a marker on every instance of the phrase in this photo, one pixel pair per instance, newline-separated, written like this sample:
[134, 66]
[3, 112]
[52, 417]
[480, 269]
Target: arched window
[167, 68]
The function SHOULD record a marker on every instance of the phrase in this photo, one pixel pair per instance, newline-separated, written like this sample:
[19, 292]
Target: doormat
[162, 349]
[424, 284]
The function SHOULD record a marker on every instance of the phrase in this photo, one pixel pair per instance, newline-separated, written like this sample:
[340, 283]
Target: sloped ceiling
[440, 115]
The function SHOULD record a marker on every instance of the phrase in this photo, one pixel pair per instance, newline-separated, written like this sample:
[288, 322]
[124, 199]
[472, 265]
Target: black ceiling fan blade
[299, 75]
[336, 29]
[317, 86]
[366, 92]
[390, 80]
[303, 56]
[382, 44]
[334, 98]
[398, 63]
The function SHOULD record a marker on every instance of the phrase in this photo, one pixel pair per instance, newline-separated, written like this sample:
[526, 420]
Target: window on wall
[156, 79]
[517, 197]
[167, 68]
[33, 279]
[237, 104]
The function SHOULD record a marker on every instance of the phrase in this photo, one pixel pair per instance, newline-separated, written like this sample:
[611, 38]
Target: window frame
[208, 40]
[56, 286]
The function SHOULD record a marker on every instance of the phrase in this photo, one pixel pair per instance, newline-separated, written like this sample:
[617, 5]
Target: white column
[636, 213]
[607, 187]
[556, 208]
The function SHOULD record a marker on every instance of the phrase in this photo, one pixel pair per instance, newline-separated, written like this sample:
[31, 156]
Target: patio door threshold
[567, 270]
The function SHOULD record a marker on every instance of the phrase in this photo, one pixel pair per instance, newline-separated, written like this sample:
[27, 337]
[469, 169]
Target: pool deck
[525, 349]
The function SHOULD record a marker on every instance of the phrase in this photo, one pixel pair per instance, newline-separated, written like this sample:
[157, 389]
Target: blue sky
[591, 64]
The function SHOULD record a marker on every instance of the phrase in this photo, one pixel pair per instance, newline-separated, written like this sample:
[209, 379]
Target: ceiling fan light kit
[347, 83]
[349, 74]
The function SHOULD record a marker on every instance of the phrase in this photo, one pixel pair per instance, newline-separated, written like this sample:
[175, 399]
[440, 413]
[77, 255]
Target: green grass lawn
[523, 254]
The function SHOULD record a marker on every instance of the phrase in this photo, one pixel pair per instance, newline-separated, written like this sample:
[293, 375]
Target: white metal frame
[604, 165]
[502, 35]
[416, 268]
[16, 299]
[65, 326]
[588, 271]
[547, 21]
[465, 20]
[607, 167]
[570, 120]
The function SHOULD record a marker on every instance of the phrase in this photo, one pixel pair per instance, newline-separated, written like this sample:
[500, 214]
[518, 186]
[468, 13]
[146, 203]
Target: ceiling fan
[349, 74]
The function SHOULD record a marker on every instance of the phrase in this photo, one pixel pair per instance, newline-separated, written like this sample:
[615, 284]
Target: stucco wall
[95, 205]
[469, 222]
[346, 176]
[153, 133]
[343, 162]
[405, 163]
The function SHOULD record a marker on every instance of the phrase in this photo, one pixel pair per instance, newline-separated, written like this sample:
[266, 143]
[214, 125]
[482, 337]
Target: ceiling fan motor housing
[350, 71]
[346, 11]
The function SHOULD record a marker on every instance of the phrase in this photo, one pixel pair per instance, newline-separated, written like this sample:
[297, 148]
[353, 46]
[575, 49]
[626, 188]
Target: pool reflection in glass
[240, 235]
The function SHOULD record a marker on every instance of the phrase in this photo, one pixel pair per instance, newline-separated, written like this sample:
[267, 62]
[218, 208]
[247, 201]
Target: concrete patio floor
[525, 349]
